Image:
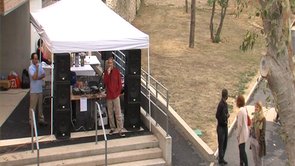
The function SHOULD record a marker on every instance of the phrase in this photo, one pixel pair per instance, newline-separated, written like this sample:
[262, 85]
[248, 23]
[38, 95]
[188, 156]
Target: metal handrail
[157, 87]
[120, 60]
[34, 129]
[164, 113]
[118, 57]
[145, 76]
[104, 133]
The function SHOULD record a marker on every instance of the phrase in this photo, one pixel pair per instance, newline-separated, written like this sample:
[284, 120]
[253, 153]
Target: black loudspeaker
[133, 62]
[105, 55]
[61, 96]
[62, 67]
[132, 116]
[61, 112]
[132, 88]
[62, 93]
[62, 123]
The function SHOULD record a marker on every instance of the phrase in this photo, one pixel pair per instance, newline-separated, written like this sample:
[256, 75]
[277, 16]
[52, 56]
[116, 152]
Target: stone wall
[125, 8]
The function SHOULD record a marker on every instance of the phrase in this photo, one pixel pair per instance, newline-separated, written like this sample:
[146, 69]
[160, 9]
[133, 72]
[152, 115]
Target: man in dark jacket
[222, 131]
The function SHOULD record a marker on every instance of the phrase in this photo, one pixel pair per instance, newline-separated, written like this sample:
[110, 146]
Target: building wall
[1, 46]
[15, 40]
[126, 8]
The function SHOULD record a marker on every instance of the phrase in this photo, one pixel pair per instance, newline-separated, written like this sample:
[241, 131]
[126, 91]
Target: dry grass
[195, 77]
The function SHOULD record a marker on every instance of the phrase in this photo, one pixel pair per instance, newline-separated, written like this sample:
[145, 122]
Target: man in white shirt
[36, 74]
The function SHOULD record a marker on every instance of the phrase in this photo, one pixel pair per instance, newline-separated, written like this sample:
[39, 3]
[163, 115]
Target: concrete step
[80, 150]
[150, 162]
[113, 158]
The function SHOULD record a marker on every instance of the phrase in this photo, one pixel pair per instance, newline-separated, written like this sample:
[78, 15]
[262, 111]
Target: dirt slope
[196, 76]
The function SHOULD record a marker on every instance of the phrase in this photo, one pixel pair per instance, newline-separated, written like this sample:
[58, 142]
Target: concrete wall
[15, 40]
[126, 9]
[165, 141]
[1, 45]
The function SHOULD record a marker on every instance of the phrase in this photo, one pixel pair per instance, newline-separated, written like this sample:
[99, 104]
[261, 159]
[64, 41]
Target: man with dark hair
[41, 52]
[222, 116]
[36, 74]
[113, 84]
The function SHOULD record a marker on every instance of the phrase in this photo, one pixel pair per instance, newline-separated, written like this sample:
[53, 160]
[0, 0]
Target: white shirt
[242, 127]
[35, 85]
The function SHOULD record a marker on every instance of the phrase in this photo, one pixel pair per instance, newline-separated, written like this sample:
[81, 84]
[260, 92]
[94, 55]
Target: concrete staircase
[132, 151]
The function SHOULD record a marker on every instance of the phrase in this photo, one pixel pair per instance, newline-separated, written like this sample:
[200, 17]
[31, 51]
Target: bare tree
[193, 25]
[277, 66]
[215, 36]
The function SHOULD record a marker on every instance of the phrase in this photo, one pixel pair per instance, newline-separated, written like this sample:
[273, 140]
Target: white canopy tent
[86, 25]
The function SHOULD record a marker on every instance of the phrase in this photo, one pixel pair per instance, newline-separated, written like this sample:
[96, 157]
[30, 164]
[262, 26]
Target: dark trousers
[243, 155]
[222, 141]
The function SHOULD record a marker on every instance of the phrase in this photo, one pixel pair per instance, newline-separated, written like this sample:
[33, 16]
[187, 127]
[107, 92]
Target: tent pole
[150, 123]
[51, 94]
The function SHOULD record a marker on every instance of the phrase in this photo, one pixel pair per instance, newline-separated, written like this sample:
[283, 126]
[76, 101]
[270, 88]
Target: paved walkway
[183, 153]
[275, 148]
[9, 101]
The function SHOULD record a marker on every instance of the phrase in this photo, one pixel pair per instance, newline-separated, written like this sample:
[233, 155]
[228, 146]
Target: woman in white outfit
[242, 130]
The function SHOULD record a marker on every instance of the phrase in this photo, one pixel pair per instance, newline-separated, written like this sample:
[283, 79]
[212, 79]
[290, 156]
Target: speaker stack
[61, 93]
[132, 84]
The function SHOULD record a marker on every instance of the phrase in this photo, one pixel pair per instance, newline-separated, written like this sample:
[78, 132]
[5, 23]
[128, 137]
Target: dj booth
[79, 113]
[87, 90]
[76, 92]
[83, 111]
[95, 38]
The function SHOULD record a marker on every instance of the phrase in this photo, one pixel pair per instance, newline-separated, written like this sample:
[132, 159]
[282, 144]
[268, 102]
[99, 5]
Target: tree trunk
[192, 27]
[186, 6]
[279, 62]
[222, 16]
[281, 84]
[215, 37]
[211, 21]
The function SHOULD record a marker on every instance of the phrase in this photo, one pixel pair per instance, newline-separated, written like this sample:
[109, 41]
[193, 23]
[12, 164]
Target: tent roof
[85, 25]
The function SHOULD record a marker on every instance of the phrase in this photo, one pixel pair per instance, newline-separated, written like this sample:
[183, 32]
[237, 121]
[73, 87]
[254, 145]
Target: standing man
[36, 74]
[222, 115]
[113, 84]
